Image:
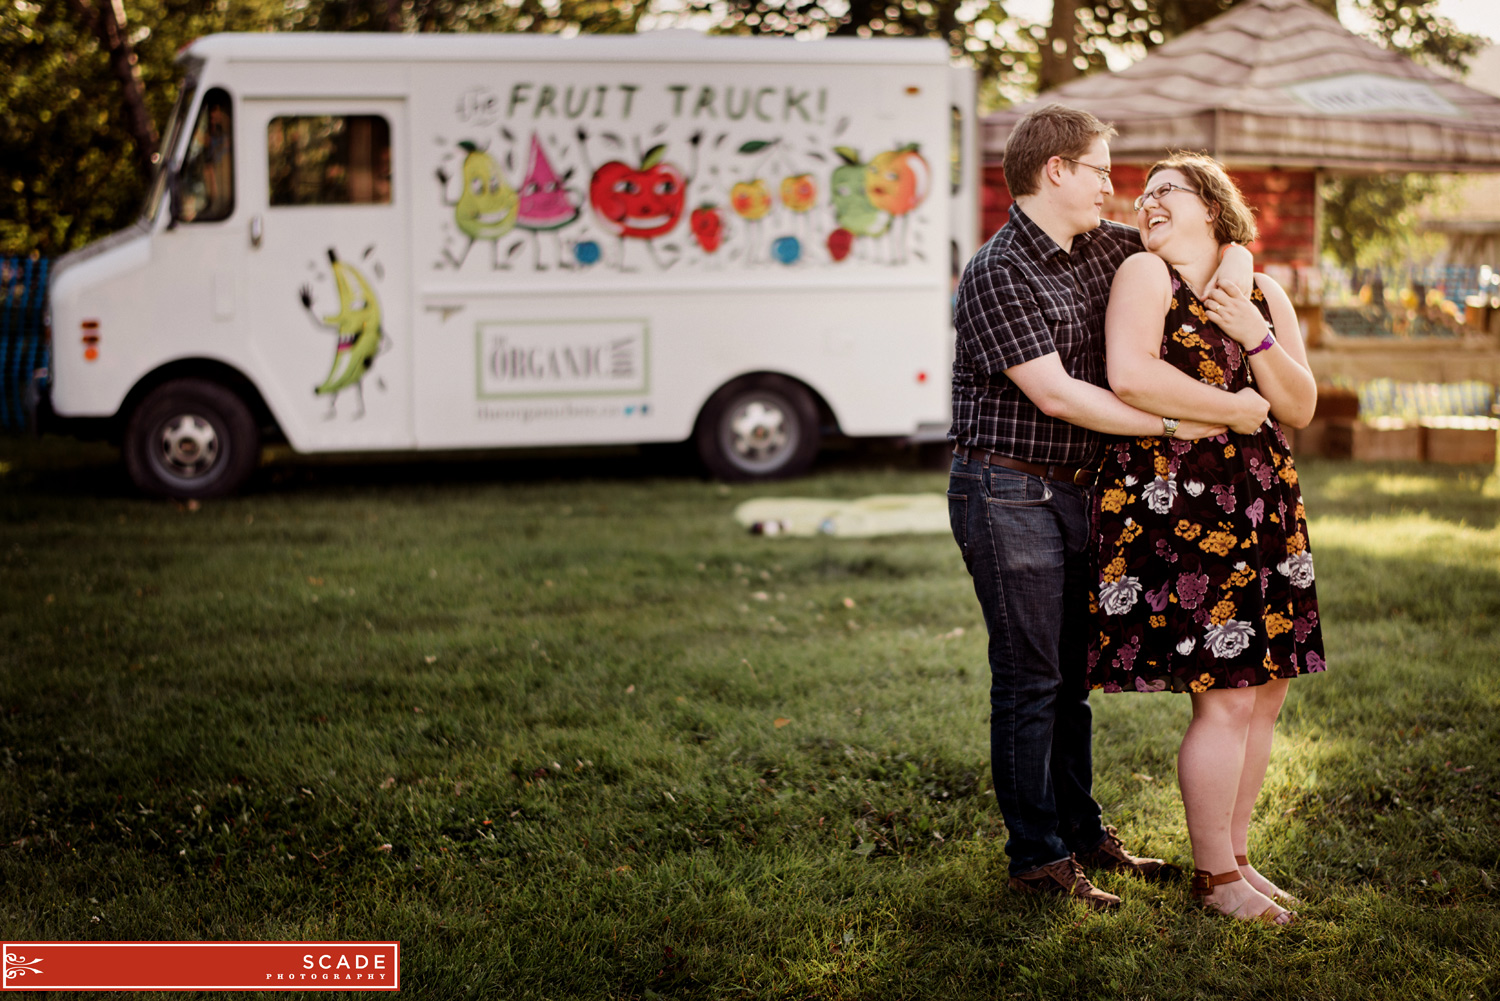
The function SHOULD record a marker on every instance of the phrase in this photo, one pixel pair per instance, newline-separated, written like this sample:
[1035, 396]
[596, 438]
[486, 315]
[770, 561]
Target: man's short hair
[1051, 131]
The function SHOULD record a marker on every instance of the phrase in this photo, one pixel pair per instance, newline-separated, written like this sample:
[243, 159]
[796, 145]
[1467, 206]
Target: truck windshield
[204, 188]
[162, 161]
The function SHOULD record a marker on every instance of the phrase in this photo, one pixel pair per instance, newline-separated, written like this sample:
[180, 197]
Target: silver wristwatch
[1169, 426]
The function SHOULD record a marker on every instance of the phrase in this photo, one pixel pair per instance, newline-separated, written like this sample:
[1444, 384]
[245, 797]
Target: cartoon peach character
[898, 180]
[799, 192]
[750, 199]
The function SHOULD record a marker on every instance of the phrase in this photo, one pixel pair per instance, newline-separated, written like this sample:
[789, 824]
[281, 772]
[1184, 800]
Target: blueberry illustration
[587, 252]
[787, 249]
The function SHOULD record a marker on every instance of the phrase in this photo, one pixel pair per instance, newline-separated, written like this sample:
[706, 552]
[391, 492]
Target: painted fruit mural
[852, 207]
[486, 208]
[898, 180]
[786, 249]
[750, 199]
[639, 202]
[840, 242]
[544, 202]
[707, 226]
[357, 324]
[799, 192]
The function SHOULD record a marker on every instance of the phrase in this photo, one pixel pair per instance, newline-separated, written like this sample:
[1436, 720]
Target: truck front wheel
[759, 428]
[190, 438]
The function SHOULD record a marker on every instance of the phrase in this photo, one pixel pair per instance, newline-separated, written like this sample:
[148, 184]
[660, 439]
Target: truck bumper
[37, 401]
[42, 419]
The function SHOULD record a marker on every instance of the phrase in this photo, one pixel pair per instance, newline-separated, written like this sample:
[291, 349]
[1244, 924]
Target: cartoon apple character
[707, 226]
[750, 199]
[799, 192]
[898, 180]
[642, 202]
[852, 208]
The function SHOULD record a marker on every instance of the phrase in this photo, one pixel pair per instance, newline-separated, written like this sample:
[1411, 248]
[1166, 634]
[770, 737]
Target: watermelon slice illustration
[544, 200]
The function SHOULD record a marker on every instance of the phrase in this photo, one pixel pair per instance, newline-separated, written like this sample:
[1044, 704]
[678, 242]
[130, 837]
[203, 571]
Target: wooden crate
[1471, 441]
[1309, 441]
[1387, 441]
[1336, 403]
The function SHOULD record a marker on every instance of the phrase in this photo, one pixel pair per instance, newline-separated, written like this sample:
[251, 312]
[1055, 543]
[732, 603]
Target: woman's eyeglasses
[1159, 192]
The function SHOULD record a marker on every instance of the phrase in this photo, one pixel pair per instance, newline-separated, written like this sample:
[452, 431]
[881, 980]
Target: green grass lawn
[566, 730]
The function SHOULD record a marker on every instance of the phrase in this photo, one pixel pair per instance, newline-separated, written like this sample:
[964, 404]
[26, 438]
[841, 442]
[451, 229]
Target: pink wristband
[1262, 346]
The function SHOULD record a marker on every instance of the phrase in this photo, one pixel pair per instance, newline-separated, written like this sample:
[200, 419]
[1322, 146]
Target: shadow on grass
[60, 466]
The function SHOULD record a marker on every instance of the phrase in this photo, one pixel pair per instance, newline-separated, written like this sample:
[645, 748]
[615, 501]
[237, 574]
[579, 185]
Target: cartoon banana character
[360, 335]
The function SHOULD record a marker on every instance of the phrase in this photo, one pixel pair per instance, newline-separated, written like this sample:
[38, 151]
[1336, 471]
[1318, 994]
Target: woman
[1206, 580]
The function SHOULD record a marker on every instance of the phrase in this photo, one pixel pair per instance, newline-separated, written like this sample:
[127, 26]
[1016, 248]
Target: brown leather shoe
[1111, 856]
[1065, 878]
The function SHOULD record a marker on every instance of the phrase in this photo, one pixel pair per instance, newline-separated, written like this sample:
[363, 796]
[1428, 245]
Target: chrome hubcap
[760, 431]
[188, 446]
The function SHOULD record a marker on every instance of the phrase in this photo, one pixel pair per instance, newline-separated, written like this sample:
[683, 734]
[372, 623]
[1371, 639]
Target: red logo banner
[203, 966]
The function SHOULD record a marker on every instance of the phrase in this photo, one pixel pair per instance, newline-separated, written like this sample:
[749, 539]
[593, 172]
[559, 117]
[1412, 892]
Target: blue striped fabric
[23, 346]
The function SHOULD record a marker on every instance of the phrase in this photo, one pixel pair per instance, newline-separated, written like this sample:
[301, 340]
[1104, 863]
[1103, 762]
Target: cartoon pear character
[360, 335]
[486, 206]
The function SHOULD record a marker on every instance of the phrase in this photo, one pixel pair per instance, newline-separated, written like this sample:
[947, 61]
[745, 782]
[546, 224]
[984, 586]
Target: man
[1030, 409]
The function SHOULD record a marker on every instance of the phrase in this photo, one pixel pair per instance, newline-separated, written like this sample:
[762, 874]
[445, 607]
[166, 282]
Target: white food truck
[377, 243]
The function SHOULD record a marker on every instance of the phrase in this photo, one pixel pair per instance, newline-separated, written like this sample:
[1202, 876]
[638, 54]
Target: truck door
[329, 311]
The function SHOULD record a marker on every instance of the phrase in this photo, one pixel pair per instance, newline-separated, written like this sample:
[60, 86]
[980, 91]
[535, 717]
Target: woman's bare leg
[1210, 766]
[1268, 701]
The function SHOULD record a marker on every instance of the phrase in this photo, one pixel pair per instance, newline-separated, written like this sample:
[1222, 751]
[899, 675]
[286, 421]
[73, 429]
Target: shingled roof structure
[1280, 83]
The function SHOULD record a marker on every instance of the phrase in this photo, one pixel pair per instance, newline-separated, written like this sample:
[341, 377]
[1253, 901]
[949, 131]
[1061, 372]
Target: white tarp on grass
[882, 514]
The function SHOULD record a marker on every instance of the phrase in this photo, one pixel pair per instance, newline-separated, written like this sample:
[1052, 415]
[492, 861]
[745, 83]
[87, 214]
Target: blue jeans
[1025, 541]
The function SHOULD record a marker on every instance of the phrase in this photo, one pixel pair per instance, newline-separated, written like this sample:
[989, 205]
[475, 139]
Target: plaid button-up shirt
[1022, 297]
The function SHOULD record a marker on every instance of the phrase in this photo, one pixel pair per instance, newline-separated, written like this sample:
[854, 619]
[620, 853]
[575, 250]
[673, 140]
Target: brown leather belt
[1062, 474]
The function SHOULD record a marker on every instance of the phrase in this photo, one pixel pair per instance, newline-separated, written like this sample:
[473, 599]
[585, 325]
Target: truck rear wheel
[759, 428]
[190, 438]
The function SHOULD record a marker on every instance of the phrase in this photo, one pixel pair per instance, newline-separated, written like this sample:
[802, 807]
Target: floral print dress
[1205, 576]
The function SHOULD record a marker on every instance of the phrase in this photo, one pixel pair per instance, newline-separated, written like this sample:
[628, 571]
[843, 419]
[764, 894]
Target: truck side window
[956, 148]
[205, 185]
[329, 160]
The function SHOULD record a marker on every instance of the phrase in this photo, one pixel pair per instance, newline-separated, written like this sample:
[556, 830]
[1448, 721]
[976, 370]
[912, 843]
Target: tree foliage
[1412, 27]
[1014, 56]
[975, 29]
[72, 169]
[1371, 219]
[540, 16]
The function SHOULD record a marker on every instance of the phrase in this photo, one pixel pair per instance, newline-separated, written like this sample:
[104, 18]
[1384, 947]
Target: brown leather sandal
[1276, 894]
[1204, 883]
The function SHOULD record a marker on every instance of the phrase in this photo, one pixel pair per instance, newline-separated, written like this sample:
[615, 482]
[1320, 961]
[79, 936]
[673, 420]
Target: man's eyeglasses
[1159, 192]
[1103, 172]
